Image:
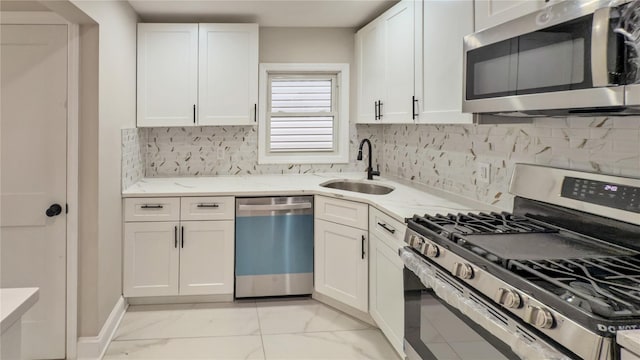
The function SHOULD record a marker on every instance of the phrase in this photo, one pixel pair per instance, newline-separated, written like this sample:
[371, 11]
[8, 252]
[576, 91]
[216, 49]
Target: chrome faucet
[370, 171]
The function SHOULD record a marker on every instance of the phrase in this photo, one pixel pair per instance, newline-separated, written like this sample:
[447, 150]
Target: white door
[399, 53]
[206, 257]
[369, 42]
[33, 131]
[167, 74]
[228, 76]
[151, 258]
[341, 263]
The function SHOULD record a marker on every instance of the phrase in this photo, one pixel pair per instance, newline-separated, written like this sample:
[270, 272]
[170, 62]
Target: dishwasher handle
[274, 207]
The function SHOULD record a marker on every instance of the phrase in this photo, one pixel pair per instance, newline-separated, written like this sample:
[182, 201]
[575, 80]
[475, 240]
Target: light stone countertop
[14, 302]
[406, 200]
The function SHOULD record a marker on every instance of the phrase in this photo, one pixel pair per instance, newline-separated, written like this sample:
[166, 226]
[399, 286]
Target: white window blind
[301, 113]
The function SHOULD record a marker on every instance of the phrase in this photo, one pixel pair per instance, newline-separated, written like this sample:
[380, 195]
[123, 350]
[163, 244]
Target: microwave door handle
[599, 37]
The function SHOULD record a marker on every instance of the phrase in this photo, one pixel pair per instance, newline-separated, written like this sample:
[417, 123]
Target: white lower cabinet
[386, 294]
[151, 258]
[386, 289]
[341, 263]
[628, 355]
[169, 258]
[206, 257]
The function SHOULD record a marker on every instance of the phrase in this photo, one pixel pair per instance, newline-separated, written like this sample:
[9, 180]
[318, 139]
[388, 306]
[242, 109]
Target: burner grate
[608, 286]
[482, 223]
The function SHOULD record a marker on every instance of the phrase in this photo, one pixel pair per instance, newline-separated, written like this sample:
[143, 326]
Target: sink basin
[358, 186]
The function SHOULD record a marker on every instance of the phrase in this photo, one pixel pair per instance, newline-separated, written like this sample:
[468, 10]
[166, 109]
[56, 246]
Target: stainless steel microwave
[569, 58]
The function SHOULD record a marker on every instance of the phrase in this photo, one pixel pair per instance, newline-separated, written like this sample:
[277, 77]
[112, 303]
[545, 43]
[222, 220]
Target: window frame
[341, 121]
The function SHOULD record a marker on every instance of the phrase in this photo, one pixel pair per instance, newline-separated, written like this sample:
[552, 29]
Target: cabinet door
[386, 295]
[445, 23]
[167, 74]
[489, 13]
[206, 257]
[370, 59]
[399, 54]
[341, 261]
[150, 259]
[228, 88]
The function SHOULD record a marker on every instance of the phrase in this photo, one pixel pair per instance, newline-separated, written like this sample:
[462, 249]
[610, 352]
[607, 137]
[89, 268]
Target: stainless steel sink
[358, 186]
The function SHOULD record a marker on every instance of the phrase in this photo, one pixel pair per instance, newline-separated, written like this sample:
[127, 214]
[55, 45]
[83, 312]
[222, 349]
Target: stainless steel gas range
[555, 279]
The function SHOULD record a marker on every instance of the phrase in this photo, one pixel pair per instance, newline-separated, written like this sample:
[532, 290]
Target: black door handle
[375, 110]
[363, 239]
[182, 236]
[175, 237]
[54, 210]
[413, 107]
[384, 226]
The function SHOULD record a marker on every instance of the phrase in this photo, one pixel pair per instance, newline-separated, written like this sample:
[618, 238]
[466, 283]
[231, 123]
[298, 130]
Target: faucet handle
[377, 171]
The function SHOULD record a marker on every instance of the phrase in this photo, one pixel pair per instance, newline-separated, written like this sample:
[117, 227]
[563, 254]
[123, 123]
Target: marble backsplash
[134, 156]
[225, 150]
[441, 156]
[446, 156]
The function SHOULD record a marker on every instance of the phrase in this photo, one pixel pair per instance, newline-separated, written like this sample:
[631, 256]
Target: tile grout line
[264, 351]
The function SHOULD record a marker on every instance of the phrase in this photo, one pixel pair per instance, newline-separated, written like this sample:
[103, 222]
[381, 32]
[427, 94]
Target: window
[303, 111]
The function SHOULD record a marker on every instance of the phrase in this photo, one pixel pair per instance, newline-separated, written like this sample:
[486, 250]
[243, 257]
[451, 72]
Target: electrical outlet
[220, 153]
[483, 173]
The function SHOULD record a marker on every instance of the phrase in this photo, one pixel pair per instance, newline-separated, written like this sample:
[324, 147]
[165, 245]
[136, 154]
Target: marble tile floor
[297, 328]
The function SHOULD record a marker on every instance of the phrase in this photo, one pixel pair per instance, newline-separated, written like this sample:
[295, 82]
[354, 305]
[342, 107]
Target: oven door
[445, 320]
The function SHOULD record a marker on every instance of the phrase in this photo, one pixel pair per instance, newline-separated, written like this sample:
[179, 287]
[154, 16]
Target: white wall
[101, 280]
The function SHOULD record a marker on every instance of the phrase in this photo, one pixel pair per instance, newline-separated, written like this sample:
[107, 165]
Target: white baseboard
[94, 347]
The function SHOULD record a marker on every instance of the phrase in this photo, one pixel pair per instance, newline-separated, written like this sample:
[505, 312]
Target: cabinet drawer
[386, 228]
[151, 209]
[342, 212]
[207, 208]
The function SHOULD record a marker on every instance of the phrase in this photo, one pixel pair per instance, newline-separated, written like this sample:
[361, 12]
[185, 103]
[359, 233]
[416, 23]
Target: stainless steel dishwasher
[274, 246]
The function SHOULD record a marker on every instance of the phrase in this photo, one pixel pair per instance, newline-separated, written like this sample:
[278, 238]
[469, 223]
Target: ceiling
[267, 13]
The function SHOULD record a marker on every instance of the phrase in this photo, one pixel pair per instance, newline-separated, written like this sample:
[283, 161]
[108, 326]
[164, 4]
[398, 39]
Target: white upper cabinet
[385, 52]
[400, 63]
[370, 53]
[167, 74]
[489, 13]
[228, 87]
[439, 88]
[197, 74]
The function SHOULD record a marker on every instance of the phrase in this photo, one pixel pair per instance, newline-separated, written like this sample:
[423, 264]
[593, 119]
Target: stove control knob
[509, 298]
[539, 317]
[432, 250]
[463, 271]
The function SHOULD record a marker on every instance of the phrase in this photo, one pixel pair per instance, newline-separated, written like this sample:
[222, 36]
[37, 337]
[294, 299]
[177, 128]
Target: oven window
[435, 330]
[552, 59]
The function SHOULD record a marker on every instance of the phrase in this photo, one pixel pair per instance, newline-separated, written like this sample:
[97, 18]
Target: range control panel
[601, 193]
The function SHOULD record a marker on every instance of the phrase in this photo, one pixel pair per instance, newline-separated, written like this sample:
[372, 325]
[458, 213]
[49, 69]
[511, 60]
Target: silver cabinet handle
[208, 205]
[275, 207]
